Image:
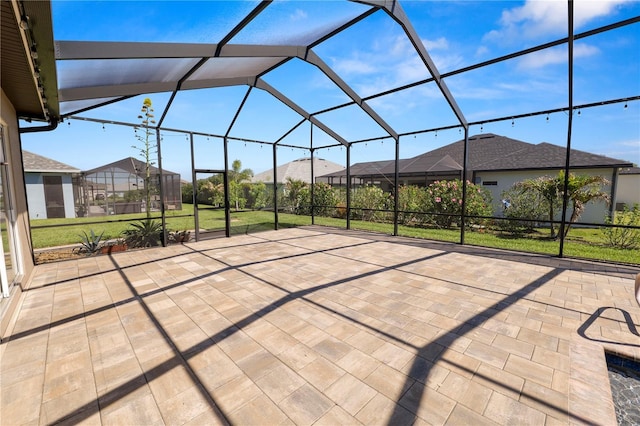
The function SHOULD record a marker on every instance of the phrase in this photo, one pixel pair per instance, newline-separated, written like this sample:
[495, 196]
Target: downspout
[614, 189]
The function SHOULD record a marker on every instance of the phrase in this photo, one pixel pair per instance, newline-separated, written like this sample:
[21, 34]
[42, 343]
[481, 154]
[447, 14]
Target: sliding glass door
[9, 268]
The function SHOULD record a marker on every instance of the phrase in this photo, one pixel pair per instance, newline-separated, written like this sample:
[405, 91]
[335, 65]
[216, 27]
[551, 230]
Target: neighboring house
[49, 186]
[299, 169]
[628, 188]
[495, 162]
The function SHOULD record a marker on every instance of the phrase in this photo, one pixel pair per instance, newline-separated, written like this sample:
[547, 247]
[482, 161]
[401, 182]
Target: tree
[187, 193]
[546, 187]
[293, 193]
[236, 177]
[581, 190]
[146, 149]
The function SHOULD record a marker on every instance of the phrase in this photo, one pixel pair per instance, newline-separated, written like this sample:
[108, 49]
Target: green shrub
[325, 200]
[367, 201]
[257, 196]
[411, 201]
[531, 207]
[623, 238]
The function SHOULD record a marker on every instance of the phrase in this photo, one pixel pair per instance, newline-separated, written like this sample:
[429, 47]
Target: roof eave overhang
[530, 169]
[29, 79]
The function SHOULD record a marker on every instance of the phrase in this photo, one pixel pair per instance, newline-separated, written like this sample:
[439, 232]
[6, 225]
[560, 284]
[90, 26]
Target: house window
[490, 183]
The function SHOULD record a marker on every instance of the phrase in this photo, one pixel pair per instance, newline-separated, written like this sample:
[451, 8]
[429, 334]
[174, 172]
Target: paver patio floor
[318, 326]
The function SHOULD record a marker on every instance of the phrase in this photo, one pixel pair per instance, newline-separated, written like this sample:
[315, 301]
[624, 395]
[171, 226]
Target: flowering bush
[444, 199]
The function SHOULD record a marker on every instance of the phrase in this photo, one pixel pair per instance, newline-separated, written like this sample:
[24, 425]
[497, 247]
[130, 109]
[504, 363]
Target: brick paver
[318, 326]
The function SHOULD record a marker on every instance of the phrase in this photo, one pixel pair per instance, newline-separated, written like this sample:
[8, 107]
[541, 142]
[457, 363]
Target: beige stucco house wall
[628, 191]
[595, 212]
[22, 256]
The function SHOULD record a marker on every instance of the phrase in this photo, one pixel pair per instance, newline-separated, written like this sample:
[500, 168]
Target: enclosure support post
[396, 182]
[313, 178]
[194, 196]
[227, 213]
[165, 234]
[313, 198]
[465, 163]
[567, 165]
[348, 186]
[275, 186]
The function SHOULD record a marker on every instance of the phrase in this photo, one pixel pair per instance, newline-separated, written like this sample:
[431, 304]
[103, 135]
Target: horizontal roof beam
[99, 92]
[79, 50]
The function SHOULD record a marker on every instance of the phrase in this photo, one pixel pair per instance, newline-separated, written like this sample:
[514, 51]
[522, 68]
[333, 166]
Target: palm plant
[146, 233]
[237, 175]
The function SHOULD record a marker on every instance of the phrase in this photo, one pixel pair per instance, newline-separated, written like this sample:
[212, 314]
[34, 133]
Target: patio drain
[624, 376]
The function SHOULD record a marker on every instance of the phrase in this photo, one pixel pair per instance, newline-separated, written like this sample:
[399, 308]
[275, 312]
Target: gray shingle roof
[489, 152]
[548, 156]
[299, 169]
[35, 163]
[630, 171]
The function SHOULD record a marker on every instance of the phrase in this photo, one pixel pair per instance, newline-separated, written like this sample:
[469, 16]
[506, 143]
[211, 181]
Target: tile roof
[130, 165]
[299, 169]
[34, 163]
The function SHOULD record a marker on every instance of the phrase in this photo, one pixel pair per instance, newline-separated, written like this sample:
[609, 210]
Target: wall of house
[36, 198]
[628, 190]
[14, 157]
[595, 212]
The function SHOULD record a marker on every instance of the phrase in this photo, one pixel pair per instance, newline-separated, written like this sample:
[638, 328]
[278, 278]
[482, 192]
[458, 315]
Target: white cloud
[481, 51]
[298, 15]
[549, 17]
[439, 43]
[353, 66]
[556, 55]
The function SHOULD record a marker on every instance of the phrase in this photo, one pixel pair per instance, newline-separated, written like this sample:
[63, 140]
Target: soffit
[18, 80]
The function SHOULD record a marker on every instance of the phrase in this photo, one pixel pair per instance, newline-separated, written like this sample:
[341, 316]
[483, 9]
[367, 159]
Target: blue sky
[372, 56]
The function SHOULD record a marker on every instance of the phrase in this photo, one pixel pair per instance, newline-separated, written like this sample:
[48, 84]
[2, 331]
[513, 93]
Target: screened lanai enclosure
[121, 187]
[525, 92]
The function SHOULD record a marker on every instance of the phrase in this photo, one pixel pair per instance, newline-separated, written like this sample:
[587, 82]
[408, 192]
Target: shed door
[53, 196]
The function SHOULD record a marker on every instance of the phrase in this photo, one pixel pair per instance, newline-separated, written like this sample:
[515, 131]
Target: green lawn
[587, 243]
